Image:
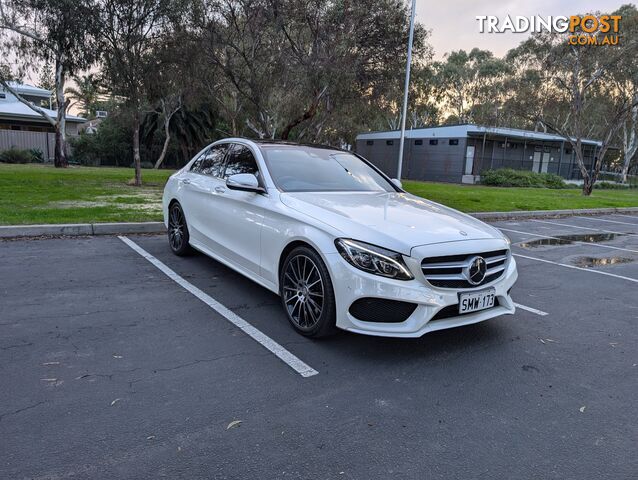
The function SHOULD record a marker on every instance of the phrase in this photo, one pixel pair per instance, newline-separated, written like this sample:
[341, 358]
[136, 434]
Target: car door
[239, 215]
[200, 196]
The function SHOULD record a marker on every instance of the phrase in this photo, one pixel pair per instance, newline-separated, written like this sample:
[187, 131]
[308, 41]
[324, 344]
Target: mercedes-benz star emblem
[476, 270]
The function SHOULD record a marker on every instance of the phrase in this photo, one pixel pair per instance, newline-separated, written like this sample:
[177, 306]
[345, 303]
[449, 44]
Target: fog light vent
[381, 310]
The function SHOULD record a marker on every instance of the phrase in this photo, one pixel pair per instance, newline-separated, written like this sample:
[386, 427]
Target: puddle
[587, 262]
[570, 239]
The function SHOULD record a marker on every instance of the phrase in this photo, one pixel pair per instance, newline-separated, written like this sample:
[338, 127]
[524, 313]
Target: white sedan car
[342, 244]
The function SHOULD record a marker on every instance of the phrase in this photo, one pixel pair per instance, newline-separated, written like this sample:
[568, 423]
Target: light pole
[404, 112]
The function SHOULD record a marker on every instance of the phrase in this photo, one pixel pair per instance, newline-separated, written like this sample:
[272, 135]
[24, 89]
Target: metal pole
[405, 93]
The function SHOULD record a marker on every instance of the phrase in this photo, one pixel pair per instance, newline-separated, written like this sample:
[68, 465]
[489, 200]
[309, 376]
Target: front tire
[307, 294]
[178, 231]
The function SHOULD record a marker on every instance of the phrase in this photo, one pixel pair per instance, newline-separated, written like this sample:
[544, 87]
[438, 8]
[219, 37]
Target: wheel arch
[289, 248]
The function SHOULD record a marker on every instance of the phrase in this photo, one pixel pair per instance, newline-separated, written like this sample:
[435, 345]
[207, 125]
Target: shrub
[507, 177]
[36, 155]
[611, 186]
[16, 155]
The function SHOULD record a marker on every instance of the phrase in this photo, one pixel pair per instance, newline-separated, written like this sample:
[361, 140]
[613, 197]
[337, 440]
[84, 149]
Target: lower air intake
[381, 310]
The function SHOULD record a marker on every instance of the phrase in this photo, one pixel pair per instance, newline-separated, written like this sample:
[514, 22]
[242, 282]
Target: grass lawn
[31, 194]
[477, 198]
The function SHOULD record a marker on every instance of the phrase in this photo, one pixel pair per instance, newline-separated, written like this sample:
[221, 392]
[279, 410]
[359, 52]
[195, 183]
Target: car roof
[279, 143]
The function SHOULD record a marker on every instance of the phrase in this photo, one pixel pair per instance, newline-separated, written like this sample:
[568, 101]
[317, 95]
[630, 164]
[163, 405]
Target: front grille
[381, 310]
[447, 271]
[453, 311]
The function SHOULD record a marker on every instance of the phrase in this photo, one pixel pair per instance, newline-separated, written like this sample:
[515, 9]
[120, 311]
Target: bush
[16, 155]
[611, 186]
[111, 145]
[507, 177]
[37, 155]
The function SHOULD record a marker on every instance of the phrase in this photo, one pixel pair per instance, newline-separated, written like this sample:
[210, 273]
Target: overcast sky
[454, 26]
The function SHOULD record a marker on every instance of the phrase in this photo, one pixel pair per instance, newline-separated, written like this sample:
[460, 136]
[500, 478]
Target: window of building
[434, 142]
[418, 142]
[454, 141]
[568, 151]
[3, 95]
[370, 142]
[389, 142]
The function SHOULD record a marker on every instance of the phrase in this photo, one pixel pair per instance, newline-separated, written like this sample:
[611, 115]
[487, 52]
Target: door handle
[220, 189]
[186, 181]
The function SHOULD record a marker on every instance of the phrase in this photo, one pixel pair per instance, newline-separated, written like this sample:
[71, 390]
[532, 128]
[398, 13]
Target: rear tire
[178, 231]
[307, 294]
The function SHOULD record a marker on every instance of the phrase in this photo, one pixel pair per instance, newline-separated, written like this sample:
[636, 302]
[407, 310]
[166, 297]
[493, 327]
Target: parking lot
[110, 368]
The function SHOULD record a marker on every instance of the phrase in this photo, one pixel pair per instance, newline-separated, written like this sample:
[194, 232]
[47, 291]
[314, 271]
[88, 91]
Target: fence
[43, 141]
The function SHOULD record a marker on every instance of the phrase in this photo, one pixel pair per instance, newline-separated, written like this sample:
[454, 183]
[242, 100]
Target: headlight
[373, 259]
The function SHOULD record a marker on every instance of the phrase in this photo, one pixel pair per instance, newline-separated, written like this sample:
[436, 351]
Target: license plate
[475, 301]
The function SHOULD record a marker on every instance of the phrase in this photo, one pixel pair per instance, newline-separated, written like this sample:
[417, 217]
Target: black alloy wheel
[178, 231]
[307, 294]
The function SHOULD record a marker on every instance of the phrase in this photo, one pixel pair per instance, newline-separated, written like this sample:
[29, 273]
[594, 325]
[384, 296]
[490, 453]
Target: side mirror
[246, 182]
[397, 182]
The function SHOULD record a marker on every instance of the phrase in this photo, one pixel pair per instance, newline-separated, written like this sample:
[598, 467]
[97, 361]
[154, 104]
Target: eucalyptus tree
[36, 32]
[469, 84]
[308, 69]
[129, 32]
[578, 91]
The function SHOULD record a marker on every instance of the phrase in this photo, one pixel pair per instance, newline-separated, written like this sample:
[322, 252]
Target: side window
[213, 160]
[196, 167]
[241, 160]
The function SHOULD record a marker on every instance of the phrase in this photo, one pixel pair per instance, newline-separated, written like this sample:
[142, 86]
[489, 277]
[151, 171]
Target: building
[459, 153]
[21, 127]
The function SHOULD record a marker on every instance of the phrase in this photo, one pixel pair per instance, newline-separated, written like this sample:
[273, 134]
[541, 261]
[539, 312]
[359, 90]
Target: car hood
[398, 221]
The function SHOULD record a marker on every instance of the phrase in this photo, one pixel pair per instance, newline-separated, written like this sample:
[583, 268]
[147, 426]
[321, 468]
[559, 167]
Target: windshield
[310, 169]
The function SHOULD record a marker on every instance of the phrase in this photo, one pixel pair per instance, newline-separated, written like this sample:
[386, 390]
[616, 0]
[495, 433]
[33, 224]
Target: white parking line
[635, 217]
[609, 221]
[530, 309]
[573, 241]
[587, 228]
[577, 268]
[284, 355]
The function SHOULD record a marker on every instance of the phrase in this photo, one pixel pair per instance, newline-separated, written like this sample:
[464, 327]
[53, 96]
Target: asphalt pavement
[112, 369]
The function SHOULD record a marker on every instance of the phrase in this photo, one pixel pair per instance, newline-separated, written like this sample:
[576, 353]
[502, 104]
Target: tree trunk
[136, 149]
[624, 175]
[167, 140]
[588, 186]
[60, 159]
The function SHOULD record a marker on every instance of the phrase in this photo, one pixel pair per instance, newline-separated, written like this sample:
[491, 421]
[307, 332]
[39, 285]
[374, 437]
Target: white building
[21, 127]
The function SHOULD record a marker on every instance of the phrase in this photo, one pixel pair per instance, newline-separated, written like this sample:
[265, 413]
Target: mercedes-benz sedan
[340, 242]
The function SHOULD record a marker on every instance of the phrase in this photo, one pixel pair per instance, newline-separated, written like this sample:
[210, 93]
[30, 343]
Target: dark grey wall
[383, 155]
[445, 163]
[440, 163]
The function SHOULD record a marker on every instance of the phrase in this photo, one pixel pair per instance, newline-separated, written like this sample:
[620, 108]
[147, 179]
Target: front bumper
[351, 284]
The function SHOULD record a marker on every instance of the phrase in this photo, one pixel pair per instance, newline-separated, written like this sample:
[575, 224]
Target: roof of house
[12, 108]
[26, 89]
[465, 130]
